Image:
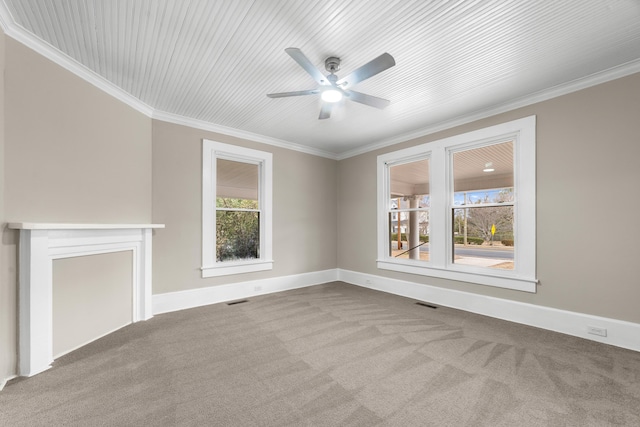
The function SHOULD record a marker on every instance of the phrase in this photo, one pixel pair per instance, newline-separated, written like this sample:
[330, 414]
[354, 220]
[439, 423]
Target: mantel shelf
[78, 226]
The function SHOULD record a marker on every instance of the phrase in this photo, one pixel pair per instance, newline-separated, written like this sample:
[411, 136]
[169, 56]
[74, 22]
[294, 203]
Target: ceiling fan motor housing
[332, 64]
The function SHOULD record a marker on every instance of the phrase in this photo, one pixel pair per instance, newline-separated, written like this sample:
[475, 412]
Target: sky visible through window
[477, 196]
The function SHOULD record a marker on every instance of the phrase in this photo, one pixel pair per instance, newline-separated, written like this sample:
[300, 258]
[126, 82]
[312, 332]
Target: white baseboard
[619, 333]
[173, 301]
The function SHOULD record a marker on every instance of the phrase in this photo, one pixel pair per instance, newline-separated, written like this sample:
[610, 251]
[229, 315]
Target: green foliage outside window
[237, 229]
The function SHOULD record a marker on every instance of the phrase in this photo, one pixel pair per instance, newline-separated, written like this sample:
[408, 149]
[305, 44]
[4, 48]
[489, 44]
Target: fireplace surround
[40, 244]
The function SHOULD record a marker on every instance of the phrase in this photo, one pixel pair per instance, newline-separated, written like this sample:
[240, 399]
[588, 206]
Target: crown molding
[617, 72]
[238, 133]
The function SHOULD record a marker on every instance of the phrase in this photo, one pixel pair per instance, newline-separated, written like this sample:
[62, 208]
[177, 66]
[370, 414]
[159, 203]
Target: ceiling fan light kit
[331, 95]
[331, 88]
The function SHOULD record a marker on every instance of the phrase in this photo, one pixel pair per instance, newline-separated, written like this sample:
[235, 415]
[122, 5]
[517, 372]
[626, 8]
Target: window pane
[410, 180]
[483, 237]
[483, 176]
[227, 202]
[236, 184]
[479, 170]
[237, 235]
[413, 240]
[409, 215]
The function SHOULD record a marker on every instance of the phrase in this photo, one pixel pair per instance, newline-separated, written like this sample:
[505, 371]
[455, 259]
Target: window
[236, 209]
[482, 209]
[408, 210]
[462, 208]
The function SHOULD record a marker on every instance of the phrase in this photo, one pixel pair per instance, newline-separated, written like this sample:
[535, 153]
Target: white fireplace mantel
[40, 244]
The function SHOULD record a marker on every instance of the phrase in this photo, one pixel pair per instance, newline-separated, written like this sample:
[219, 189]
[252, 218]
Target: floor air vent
[238, 302]
[424, 304]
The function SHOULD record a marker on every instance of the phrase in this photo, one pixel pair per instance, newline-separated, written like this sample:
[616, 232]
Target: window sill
[229, 268]
[517, 283]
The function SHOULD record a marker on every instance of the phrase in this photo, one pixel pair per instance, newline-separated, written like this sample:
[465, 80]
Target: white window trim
[523, 132]
[212, 150]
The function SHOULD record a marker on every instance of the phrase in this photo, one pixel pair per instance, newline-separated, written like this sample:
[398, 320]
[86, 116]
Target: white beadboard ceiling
[213, 62]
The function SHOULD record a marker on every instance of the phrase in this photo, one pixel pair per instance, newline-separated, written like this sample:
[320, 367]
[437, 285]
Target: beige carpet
[331, 355]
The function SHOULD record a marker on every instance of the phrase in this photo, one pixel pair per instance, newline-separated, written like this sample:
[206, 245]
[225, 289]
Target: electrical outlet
[257, 288]
[594, 330]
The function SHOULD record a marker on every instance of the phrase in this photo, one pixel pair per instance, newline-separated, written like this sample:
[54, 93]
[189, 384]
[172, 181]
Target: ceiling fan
[333, 89]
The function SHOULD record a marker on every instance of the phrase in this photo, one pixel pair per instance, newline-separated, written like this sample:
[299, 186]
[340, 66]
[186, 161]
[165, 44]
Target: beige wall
[72, 153]
[7, 275]
[88, 288]
[304, 210]
[587, 178]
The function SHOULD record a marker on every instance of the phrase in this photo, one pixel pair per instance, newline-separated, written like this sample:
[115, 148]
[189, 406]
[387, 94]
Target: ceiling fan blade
[372, 101]
[369, 69]
[295, 93]
[304, 62]
[325, 111]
